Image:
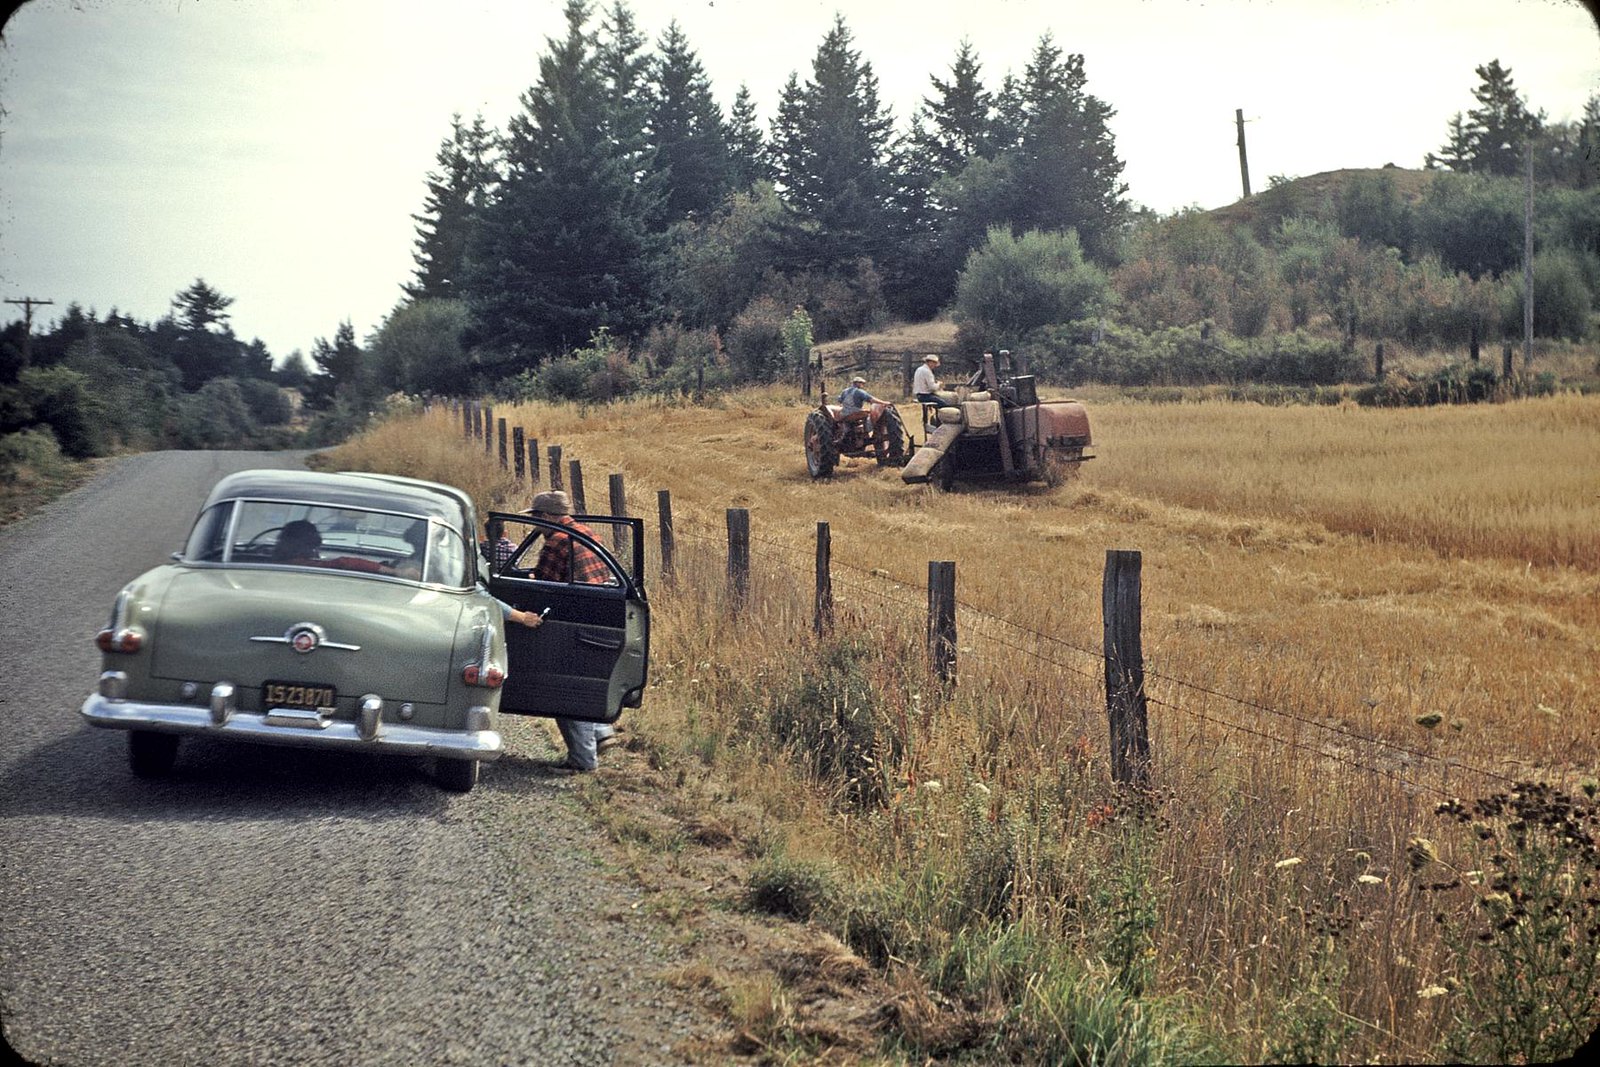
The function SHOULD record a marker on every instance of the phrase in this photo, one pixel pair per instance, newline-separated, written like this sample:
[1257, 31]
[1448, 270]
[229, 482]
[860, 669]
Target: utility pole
[1527, 269]
[1244, 165]
[28, 304]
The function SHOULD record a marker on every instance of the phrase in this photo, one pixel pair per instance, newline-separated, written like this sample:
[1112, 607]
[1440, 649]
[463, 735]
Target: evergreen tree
[958, 122]
[1066, 167]
[200, 352]
[1501, 124]
[687, 132]
[457, 191]
[1493, 136]
[747, 148]
[566, 248]
[200, 307]
[830, 143]
[1456, 152]
[1010, 115]
[341, 366]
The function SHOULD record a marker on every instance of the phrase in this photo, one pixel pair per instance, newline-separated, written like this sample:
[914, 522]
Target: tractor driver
[853, 400]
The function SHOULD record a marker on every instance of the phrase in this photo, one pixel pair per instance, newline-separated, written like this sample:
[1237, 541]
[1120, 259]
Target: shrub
[60, 399]
[1561, 299]
[30, 455]
[597, 374]
[783, 885]
[1014, 285]
[755, 340]
[830, 719]
[1299, 358]
[1525, 986]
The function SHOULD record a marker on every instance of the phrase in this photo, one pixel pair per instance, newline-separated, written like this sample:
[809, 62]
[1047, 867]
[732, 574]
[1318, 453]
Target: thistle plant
[1527, 987]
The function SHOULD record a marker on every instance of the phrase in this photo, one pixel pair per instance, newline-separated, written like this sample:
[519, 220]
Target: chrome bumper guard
[220, 718]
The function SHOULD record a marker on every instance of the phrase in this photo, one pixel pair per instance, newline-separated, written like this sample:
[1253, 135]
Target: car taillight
[123, 640]
[483, 677]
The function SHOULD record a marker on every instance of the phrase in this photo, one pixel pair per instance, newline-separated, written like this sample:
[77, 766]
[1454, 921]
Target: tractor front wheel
[822, 455]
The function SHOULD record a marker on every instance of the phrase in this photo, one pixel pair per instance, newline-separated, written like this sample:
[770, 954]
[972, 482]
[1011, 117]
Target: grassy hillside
[1315, 190]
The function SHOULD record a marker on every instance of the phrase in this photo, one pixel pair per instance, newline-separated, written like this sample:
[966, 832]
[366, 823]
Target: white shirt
[923, 381]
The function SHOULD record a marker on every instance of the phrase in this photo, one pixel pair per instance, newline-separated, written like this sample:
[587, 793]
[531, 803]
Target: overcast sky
[278, 148]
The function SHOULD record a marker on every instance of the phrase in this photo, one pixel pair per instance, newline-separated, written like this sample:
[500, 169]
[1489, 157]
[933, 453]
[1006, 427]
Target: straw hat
[930, 358]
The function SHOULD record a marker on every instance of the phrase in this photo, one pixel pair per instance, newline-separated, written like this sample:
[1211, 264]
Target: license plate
[303, 695]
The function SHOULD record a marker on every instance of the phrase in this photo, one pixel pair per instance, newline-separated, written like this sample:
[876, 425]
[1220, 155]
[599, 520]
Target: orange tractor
[875, 431]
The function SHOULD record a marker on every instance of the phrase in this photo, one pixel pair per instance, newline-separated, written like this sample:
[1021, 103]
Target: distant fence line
[1120, 657]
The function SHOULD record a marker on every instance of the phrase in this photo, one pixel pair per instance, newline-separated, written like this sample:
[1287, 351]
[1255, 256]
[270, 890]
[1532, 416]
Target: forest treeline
[623, 233]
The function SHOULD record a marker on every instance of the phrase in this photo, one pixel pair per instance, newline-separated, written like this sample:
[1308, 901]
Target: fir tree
[1066, 167]
[830, 143]
[747, 148]
[958, 122]
[457, 191]
[1501, 125]
[566, 247]
[687, 132]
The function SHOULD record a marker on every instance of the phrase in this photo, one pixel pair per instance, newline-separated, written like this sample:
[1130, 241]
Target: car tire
[457, 775]
[150, 754]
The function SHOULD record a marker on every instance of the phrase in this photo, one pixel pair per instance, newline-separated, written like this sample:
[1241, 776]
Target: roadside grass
[1265, 902]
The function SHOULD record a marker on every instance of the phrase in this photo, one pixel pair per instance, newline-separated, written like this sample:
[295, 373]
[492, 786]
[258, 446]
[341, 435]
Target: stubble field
[1350, 616]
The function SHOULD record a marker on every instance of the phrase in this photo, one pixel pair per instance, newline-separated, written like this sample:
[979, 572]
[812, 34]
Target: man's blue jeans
[581, 738]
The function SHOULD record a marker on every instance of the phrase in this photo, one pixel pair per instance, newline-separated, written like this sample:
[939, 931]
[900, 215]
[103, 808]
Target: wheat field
[1348, 616]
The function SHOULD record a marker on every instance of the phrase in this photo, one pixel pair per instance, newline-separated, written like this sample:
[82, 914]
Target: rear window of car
[301, 534]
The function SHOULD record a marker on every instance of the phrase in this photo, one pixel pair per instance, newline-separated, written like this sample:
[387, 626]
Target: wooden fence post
[488, 428]
[664, 521]
[1125, 697]
[575, 471]
[738, 556]
[822, 618]
[1377, 361]
[554, 455]
[466, 419]
[501, 426]
[477, 421]
[907, 369]
[517, 438]
[533, 460]
[942, 619]
[619, 506]
[1505, 362]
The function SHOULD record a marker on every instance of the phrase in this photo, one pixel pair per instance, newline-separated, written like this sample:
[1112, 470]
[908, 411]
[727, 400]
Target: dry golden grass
[1315, 581]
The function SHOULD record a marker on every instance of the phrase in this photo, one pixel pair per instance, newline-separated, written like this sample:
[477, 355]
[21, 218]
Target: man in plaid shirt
[563, 559]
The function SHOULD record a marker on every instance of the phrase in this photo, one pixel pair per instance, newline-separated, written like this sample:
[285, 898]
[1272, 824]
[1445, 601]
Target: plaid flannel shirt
[562, 559]
[498, 552]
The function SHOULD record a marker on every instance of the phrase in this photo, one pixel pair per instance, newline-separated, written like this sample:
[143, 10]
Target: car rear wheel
[151, 755]
[457, 775]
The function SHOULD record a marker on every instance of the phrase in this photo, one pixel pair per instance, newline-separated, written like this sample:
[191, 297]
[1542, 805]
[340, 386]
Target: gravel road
[277, 906]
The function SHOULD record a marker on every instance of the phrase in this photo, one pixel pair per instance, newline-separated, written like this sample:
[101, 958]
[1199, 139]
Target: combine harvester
[996, 428]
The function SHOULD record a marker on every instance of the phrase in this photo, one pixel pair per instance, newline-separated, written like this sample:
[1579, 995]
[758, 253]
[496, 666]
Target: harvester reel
[822, 454]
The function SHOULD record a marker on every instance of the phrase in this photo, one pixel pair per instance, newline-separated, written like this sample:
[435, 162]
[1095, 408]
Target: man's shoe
[605, 744]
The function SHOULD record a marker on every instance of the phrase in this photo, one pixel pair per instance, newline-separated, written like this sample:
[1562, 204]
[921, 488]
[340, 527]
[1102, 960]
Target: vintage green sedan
[356, 611]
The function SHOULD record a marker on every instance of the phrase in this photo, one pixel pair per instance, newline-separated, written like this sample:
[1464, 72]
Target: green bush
[1561, 298]
[755, 340]
[29, 455]
[829, 718]
[782, 885]
[59, 398]
[1012, 286]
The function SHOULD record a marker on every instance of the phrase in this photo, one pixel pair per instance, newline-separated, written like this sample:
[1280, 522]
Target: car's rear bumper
[386, 737]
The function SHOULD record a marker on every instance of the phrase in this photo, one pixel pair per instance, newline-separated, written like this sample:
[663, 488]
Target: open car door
[589, 658]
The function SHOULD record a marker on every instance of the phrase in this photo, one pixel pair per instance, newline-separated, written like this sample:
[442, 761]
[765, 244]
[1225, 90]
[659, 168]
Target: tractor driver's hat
[930, 358]
[858, 380]
[552, 502]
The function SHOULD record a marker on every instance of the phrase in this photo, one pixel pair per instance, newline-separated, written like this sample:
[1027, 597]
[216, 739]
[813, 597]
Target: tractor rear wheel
[892, 435]
[822, 455]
